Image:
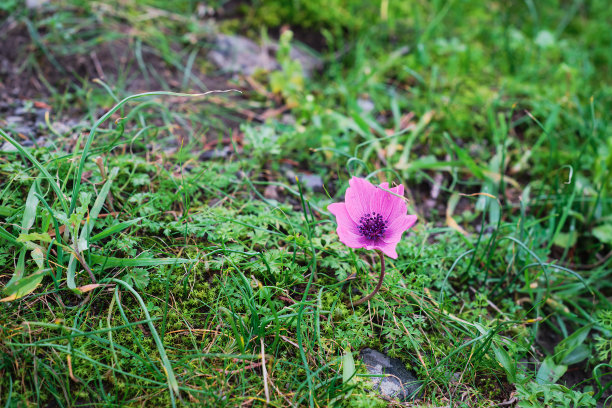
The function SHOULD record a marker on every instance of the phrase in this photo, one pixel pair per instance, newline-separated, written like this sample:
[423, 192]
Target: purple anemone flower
[372, 217]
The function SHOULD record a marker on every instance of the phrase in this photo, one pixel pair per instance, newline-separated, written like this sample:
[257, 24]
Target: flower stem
[378, 285]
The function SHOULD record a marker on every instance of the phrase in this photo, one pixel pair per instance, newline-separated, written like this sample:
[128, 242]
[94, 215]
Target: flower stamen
[372, 226]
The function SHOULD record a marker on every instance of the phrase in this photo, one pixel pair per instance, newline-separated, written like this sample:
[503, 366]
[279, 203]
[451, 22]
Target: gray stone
[216, 153]
[35, 4]
[366, 105]
[313, 182]
[397, 382]
[240, 55]
[11, 120]
[62, 128]
[290, 174]
[7, 147]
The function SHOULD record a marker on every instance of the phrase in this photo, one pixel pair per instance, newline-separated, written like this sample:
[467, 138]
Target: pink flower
[371, 217]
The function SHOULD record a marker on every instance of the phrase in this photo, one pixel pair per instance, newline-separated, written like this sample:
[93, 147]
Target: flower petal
[388, 205]
[349, 238]
[358, 197]
[380, 200]
[388, 249]
[397, 227]
[399, 190]
[397, 208]
[343, 219]
[347, 229]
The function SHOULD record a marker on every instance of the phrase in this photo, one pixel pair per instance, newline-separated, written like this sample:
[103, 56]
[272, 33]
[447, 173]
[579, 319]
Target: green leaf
[566, 239]
[22, 286]
[29, 213]
[83, 241]
[138, 276]
[38, 257]
[467, 160]
[603, 233]
[348, 367]
[34, 236]
[140, 179]
[113, 229]
[19, 269]
[70, 273]
[97, 206]
[564, 216]
[4, 234]
[505, 361]
[110, 262]
[545, 39]
[570, 343]
[550, 372]
[6, 211]
[580, 353]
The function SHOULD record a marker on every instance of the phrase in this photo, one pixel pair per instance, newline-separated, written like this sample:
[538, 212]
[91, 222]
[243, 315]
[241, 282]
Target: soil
[31, 75]
[107, 61]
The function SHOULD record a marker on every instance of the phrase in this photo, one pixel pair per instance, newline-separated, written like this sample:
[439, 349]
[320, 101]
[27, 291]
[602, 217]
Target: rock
[290, 174]
[313, 182]
[7, 147]
[309, 181]
[61, 127]
[240, 55]
[24, 117]
[35, 4]
[366, 105]
[271, 192]
[216, 154]
[12, 120]
[398, 381]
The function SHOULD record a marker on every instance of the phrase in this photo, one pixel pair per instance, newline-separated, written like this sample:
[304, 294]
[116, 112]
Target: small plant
[534, 395]
[263, 142]
[570, 350]
[603, 341]
[289, 81]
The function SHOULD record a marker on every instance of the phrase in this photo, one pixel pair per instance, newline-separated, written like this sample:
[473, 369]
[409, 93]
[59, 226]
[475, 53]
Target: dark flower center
[372, 226]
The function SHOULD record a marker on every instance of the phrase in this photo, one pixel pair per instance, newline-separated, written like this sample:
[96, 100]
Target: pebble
[398, 382]
[313, 182]
[240, 55]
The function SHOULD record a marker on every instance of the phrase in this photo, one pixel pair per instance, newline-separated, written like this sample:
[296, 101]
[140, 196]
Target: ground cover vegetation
[159, 248]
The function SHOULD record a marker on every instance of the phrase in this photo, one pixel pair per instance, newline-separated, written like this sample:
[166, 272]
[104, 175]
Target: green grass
[135, 272]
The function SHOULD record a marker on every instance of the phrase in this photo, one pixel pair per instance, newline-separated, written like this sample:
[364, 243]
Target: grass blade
[113, 229]
[40, 167]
